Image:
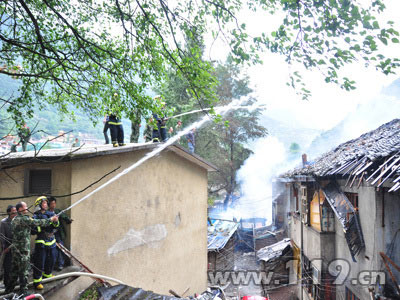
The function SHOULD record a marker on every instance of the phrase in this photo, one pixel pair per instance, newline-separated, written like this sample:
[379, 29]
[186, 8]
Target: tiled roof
[374, 157]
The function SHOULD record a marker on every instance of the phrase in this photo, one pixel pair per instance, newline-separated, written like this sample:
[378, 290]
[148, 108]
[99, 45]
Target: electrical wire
[324, 285]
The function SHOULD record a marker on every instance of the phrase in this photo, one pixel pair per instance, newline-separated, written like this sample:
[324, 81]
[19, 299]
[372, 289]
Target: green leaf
[383, 40]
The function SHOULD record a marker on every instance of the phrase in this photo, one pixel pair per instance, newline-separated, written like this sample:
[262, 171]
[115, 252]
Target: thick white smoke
[255, 177]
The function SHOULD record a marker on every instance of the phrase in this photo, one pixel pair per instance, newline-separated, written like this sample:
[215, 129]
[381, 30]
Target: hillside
[288, 133]
[364, 118]
[49, 121]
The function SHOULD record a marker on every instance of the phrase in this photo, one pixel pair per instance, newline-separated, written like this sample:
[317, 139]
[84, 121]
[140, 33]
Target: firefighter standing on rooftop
[159, 130]
[45, 244]
[114, 121]
[21, 248]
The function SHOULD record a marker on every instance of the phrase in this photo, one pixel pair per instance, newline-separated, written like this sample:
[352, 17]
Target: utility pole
[301, 243]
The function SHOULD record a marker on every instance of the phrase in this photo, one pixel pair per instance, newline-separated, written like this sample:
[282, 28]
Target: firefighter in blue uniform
[159, 129]
[117, 131]
[114, 121]
[45, 244]
[156, 128]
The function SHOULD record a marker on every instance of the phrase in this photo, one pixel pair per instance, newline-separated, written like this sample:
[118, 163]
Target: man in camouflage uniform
[6, 240]
[148, 131]
[21, 230]
[25, 135]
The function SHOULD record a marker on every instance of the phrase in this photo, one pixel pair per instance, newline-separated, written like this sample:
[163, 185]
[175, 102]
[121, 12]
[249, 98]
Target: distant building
[147, 229]
[343, 218]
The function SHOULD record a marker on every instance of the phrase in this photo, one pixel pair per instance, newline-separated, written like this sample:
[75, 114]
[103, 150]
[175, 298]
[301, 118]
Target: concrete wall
[380, 221]
[367, 259]
[149, 228]
[388, 226]
[377, 237]
[12, 185]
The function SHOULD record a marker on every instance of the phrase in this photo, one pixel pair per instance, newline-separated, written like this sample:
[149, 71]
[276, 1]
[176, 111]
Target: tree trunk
[227, 198]
[135, 127]
[135, 132]
[231, 187]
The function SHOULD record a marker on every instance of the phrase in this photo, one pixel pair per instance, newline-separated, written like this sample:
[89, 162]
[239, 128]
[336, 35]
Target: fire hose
[71, 274]
[65, 275]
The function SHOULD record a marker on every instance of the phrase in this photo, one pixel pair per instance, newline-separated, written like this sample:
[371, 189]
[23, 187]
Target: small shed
[221, 245]
[274, 259]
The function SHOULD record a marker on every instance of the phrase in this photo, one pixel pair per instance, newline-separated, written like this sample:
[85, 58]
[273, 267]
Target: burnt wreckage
[373, 157]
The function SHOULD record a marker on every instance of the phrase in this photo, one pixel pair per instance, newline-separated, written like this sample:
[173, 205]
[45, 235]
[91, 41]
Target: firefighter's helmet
[39, 200]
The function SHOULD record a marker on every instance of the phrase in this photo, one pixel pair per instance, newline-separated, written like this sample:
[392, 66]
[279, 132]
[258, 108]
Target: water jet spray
[221, 110]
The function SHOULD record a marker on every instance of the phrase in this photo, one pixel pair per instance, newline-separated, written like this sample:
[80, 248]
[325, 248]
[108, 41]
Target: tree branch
[35, 24]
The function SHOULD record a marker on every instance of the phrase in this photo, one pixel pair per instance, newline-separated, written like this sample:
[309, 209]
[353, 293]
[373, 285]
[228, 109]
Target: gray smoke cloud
[271, 156]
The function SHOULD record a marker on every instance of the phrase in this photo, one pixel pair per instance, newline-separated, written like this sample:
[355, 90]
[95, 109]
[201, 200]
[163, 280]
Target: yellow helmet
[39, 200]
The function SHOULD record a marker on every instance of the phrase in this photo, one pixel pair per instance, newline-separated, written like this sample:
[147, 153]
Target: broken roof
[88, 151]
[276, 250]
[120, 291]
[374, 156]
[128, 292]
[220, 233]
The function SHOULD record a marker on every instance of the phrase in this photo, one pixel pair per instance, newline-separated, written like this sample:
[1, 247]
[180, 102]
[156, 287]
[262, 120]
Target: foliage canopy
[224, 146]
[81, 52]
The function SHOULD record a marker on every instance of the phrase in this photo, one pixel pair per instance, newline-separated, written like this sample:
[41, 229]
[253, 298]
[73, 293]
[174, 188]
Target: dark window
[311, 280]
[296, 198]
[307, 274]
[350, 295]
[329, 286]
[353, 198]
[305, 205]
[38, 181]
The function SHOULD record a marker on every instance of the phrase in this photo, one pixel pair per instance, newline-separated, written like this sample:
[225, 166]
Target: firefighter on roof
[114, 121]
[159, 129]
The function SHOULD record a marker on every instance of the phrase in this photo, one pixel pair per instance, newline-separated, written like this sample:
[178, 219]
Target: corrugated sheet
[125, 292]
[274, 251]
[129, 293]
[220, 233]
[347, 217]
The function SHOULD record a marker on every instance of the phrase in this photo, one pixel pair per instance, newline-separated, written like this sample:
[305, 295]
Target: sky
[327, 106]
[269, 80]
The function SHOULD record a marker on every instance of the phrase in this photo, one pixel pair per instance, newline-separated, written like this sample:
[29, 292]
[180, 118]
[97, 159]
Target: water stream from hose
[219, 110]
[209, 108]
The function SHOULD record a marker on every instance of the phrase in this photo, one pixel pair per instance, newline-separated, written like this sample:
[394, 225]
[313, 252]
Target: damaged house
[147, 229]
[344, 219]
